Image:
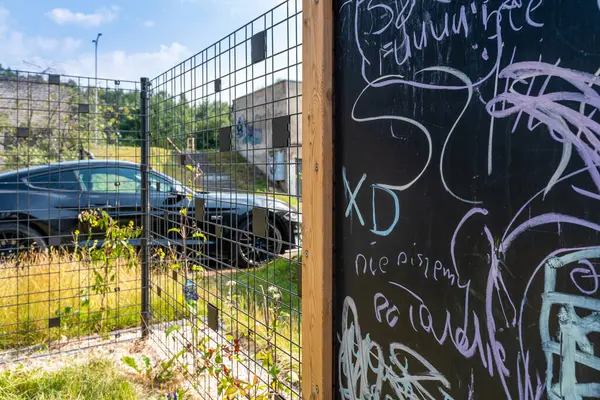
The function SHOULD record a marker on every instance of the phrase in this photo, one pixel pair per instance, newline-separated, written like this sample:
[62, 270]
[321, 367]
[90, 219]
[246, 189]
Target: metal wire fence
[225, 241]
[68, 146]
[168, 209]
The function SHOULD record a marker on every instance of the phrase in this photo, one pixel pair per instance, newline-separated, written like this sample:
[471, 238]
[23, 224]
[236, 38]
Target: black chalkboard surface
[467, 199]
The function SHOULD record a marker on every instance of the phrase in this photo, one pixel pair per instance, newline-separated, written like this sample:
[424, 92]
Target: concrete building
[253, 133]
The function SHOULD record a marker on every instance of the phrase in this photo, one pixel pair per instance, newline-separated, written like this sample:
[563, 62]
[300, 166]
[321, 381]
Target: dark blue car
[39, 206]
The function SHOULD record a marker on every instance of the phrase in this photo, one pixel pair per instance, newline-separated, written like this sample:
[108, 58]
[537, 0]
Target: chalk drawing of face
[571, 345]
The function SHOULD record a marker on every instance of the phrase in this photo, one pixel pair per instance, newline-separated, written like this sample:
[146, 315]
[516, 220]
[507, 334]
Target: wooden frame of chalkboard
[317, 261]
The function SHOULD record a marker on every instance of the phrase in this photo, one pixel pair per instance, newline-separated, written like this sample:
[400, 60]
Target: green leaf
[172, 329]
[130, 362]
[199, 235]
[274, 371]
[176, 230]
[146, 360]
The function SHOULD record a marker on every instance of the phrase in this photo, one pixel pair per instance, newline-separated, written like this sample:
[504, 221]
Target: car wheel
[15, 237]
[252, 250]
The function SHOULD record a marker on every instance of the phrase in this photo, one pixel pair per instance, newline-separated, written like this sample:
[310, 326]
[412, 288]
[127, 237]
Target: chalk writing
[438, 270]
[364, 368]
[533, 343]
[388, 35]
[352, 206]
[363, 266]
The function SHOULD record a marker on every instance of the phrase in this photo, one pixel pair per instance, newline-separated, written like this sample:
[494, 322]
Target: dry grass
[37, 286]
[95, 380]
[248, 308]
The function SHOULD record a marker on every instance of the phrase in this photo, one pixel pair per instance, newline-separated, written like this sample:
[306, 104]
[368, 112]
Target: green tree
[6, 72]
[170, 118]
[49, 111]
[177, 118]
[119, 115]
[210, 117]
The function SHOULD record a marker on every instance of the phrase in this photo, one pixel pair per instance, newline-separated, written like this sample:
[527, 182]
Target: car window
[111, 180]
[159, 184]
[59, 180]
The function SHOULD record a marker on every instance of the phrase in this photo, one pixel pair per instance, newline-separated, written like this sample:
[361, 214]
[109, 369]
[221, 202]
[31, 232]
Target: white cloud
[67, 45]
[238, 7]
[18, 50]
[127, 66]
[63, 16]
[37, 53]
[149, 23]
[4, 16]
[46, 44]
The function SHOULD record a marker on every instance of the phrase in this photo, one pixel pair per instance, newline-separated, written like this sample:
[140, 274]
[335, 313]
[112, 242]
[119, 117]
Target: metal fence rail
[225, 241]
[56, 134]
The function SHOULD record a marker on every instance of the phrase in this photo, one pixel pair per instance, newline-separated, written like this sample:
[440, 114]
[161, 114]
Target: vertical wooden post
[317, 237]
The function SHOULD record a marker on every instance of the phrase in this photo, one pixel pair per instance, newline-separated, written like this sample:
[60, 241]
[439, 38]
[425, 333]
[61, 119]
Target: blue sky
[140, 37]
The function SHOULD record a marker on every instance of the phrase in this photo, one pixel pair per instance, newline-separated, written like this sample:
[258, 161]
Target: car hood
[233, 200]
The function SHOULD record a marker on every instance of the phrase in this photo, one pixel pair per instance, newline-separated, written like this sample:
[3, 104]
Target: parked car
[39, 206]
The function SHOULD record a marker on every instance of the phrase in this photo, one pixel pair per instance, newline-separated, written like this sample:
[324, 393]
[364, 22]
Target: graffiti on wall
[247, 134]
[276, 162]
[533, 96]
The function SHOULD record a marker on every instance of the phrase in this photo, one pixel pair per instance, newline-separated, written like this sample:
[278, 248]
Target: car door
[164, 208]
[167, 200]
[55, 199]
[114, 189]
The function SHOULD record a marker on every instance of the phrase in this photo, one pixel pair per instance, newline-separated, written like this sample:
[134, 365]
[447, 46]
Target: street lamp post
[96, 41]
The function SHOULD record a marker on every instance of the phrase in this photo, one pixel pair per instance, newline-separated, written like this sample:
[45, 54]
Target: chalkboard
[467, 245]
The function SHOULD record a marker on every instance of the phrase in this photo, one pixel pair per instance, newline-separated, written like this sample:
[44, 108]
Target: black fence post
[145, 162]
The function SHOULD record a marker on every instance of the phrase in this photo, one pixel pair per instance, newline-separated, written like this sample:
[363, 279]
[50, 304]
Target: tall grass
[38, 286]
[248, 308]
[94, 380]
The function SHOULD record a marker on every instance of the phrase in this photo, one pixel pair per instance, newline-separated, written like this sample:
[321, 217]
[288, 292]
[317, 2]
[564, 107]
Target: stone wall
[253, 131]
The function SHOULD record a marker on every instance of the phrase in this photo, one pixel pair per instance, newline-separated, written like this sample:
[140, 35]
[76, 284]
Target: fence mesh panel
[225, 238]
[170, 208]
[68, 145]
